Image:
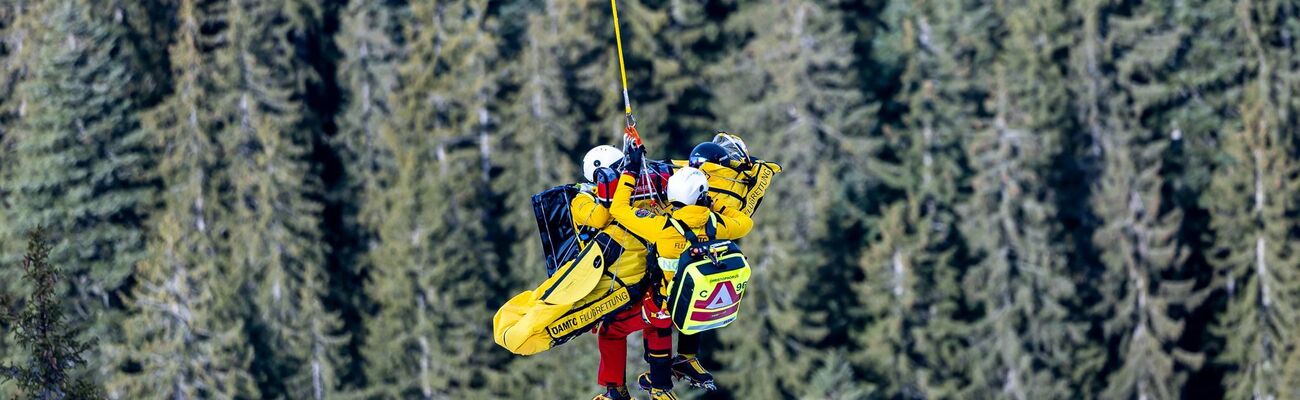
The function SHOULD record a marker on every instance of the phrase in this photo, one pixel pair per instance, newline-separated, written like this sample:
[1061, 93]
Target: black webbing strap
[681, 228]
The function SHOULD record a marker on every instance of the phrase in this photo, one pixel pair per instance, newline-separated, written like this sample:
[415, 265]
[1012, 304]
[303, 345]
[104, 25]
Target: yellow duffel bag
[601, 280]
[741, 187]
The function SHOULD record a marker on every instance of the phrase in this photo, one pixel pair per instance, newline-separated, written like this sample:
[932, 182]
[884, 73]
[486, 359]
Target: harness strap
[629, 232]
[681, 228]
[728, 193]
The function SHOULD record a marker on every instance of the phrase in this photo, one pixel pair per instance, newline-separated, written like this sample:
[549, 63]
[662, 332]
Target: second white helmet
[687, 185]
[599, 156]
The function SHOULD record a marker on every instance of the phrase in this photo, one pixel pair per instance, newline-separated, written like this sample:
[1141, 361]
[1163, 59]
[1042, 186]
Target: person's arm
[589, 212]
[621, 209]
[732, 223]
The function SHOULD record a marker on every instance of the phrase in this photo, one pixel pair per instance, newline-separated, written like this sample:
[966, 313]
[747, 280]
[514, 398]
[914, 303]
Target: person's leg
[612, 341]
[659, 354]
[688, 346]
[687, 363]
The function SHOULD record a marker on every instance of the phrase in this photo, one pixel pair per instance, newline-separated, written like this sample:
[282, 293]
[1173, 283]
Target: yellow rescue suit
[738, 189]
[576, 296]
[731, 224]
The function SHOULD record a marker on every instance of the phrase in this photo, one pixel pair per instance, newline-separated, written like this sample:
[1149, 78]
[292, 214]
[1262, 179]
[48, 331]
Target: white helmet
[687, 185]
[599, 156]
[736, 149]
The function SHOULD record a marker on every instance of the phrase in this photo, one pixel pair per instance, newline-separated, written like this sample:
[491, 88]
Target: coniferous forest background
[1021, 199]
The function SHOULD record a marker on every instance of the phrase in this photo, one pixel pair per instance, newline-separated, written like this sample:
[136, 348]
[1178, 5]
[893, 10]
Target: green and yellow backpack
[710, 282]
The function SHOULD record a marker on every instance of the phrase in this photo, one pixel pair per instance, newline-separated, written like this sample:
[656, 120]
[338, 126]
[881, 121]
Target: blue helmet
[707, 152]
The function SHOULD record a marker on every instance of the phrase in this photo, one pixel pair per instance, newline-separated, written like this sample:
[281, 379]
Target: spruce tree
[81, 164]
[889, 296]
[79, 161]
[787, 91]
[1253, 206]
[435, 267]
[1253, 201]
[275, 194]
[372, 45]
[540, 123]
[834, 380]
[15, 20]
[371, 42]
[1019, 281]
[922, 254]
[1144, 289]
[42, 329]
[185, 337]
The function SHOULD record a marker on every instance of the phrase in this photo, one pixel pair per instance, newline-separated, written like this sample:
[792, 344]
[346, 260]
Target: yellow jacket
[730, 223]
[531, 322]
[742, 190]
[587, 211]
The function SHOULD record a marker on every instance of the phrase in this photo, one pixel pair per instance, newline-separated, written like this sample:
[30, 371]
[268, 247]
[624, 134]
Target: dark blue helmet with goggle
[707, 152]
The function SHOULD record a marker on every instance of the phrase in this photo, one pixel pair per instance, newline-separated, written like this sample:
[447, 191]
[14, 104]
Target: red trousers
[612, 338]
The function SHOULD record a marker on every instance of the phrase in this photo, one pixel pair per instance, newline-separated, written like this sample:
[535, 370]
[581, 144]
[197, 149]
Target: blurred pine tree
[186, 336]
[1145, 290]
[80, 164]
[275, 196]
[918, 260]
[1026, 338]
[1253, 204]
[785, 86]
[436, 269]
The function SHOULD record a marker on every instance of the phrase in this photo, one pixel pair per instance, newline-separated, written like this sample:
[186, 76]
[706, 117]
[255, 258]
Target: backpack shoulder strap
[682, 229]
[711, 227]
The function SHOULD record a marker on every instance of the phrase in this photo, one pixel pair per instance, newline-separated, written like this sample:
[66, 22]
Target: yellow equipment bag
[739, 186]
[709, 284]
[575, 279]
[596, 283]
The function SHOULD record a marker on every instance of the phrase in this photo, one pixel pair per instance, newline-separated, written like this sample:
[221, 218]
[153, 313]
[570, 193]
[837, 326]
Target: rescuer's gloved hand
[634, 160]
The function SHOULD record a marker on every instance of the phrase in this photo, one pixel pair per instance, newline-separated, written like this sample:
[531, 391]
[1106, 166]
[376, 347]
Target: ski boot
[655, 393]
[690, 370]
[614, 393]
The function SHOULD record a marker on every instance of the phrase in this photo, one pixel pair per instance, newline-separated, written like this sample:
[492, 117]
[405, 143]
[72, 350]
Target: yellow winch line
[622, 72]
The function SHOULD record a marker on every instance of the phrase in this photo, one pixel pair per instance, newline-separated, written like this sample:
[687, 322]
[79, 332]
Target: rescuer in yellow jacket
[686, 192]
[574, 298]
[738, 182]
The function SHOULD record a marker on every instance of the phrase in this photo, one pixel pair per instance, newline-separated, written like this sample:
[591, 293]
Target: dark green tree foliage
[14, 39]
[914, 261]
[81, 160]
[77, 160]
[15, 17]
[372, 46]
[888, 297]
[274, 194]
[1027, 338]
[1017, 199]
[185, 337]
[1145, 290]
[9, 45]
[1253, 203]
[1253, 199]
[541, 124]
[41, 328]
[434, 270]
[790, 96]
